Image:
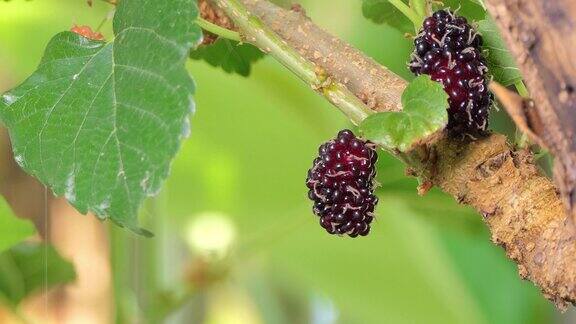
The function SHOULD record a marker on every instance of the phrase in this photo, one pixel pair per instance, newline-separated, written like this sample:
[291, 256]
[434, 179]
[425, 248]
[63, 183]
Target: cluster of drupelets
[448, 49]
[341, 184]
[341, 180]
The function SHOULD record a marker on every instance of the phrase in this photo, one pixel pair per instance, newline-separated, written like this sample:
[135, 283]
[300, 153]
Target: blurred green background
[236, 241]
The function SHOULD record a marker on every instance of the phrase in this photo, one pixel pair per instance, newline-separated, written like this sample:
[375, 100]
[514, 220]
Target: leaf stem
[419, 6]
[481, 3]
[254, 31]
[217, 30]
[522, 140]
[521, 88]
[408, 12]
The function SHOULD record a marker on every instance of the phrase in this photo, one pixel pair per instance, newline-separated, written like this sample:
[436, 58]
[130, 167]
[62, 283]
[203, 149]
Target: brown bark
[376, 86]
[540, 34]
[519, 204]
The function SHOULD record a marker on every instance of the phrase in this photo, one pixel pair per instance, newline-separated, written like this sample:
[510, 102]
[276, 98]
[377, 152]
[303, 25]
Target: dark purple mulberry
[449, 50]
[341, 184]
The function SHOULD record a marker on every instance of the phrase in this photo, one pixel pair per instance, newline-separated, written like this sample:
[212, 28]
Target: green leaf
[12, 229]
[229, 55]
[424, 114]
[383, 12]
[471, 9]
[419, 6]
[100, 123]
[480, 3]
[28, 267]
[500, 62]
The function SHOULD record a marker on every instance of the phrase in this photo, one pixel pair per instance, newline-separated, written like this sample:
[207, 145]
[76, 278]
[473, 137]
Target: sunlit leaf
[231, 56]
[28, 267]
[419, 6]
[479, 2]
[471, 9]
[424, 114]
[383, 12]
[500, 61]
[100, 122]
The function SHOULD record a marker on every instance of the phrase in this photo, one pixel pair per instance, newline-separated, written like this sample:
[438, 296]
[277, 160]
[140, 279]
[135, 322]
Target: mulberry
[341, 185]
[449, 50]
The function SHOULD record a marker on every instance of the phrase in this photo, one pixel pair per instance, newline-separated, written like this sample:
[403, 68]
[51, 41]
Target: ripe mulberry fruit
[341, 185]
[449, 50]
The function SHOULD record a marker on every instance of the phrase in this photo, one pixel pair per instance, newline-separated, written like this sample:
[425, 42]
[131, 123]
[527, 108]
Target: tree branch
[259, 34]
[376, 86]
[540, 34]
[519, 204]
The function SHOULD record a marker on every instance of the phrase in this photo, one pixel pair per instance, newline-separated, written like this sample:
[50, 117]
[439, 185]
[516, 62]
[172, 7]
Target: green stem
[481, 2]
[256, 32]
[521, 88]
[408, 12]
[419, 6]
[217, 30]
[522, 140]
[428, 9]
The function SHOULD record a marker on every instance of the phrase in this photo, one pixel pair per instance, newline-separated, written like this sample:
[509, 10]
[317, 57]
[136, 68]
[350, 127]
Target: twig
[376, 86]
[217, 30]
[521, 88]
[414, 17]
[254, 31]
[522, 140]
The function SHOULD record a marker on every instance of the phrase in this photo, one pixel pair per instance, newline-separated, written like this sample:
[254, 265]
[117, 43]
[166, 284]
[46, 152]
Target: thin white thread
[136, 257]
[47, 241]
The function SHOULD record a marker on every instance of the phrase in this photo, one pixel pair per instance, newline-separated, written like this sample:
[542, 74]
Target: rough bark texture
[519, 204]
[375, 85]
[540, 34]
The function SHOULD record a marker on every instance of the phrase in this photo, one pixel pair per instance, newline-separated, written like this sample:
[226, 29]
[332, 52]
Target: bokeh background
[235, 239]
